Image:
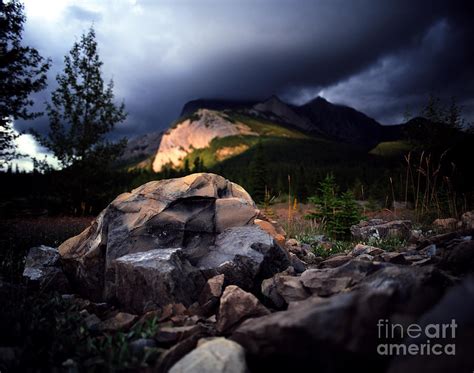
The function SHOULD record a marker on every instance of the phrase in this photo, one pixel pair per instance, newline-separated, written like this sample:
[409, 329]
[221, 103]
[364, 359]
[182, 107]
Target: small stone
[171, 335]
[121, 321]
[360, 249]
[236, 306]
[335, 261]
[92, 321]
[297, 264]
[394, 258]
[218, 355]
[139, 346]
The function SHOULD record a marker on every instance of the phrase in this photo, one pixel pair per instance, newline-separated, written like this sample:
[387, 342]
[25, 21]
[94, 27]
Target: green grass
[391, 149]
[267, 128]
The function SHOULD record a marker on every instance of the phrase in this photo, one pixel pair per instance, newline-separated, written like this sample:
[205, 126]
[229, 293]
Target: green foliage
[336, 211]
[392, 149]
[54, 336]
[322, 248]
[82, 111]
[391, 243]
[258, 174]
[266, 128]
[81, 114]
[22, 72]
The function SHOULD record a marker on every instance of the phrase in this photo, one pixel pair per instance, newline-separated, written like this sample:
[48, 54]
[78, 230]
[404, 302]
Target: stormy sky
[381, 57]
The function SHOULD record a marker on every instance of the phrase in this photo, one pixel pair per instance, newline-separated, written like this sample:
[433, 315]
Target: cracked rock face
[208, 218]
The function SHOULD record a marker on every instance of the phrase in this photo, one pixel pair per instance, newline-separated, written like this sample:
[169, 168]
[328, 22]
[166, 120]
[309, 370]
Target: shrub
[335, 211]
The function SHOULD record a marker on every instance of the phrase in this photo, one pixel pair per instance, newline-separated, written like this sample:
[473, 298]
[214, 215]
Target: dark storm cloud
[379, 56]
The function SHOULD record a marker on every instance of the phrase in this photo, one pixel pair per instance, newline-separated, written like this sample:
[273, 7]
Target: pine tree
[82, 109]
[186, 168]
[453, 118]
[22, 72]
[197, 165]
[337, 212]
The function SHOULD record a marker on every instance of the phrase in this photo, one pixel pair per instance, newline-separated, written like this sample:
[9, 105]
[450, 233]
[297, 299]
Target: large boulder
[208, 218]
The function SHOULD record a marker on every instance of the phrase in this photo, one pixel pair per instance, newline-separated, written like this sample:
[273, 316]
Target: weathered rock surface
[43, 269]
[330, 333]
[121, 321]
[195, 133]
[290, 288]
[328, 281]
[361, 249]
[202, 223]
[378, 228]
[456, 305]
[335, 261]
[155, 278]
[210, 294]
[218, 355]
[236, 306]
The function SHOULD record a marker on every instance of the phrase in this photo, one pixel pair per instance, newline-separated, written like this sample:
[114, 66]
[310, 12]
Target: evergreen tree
[197, 165]
[258, 174]
[82, 109]
[453, 118]
[337, 212]
[22, 72]
[186, 168]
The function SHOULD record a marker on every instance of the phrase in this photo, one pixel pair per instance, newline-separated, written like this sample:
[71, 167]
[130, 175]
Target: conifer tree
[22, 72]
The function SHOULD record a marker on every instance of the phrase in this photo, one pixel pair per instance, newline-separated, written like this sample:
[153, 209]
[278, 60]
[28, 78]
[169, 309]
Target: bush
[337, 212]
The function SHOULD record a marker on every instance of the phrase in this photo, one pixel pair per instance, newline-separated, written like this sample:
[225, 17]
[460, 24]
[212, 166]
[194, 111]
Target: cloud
[377, 56]
[82, 14]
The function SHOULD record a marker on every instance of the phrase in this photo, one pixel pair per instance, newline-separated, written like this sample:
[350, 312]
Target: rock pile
[230, 295]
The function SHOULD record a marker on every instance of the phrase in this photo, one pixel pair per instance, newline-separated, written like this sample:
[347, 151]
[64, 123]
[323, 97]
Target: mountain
[196, 132]
[217, 130]
[214, 104]
[141, 150]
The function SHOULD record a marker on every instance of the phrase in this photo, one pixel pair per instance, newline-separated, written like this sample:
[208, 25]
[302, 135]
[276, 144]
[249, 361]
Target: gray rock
[361, 249]
[236, 306]
[218, 355]
[139, 346]
[171, 335]
[459, 258]
[331, 333]
[210, 295]
[283, 289]
[206, 216]
[152, 279]
[393, 257]
[335, 261]
[377, 228]
[329, 281]
[458, 305]
[120, 322]
[297, 264]
[43, 270]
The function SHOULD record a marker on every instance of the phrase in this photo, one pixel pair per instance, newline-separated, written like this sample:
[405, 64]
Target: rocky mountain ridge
[205, 120]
